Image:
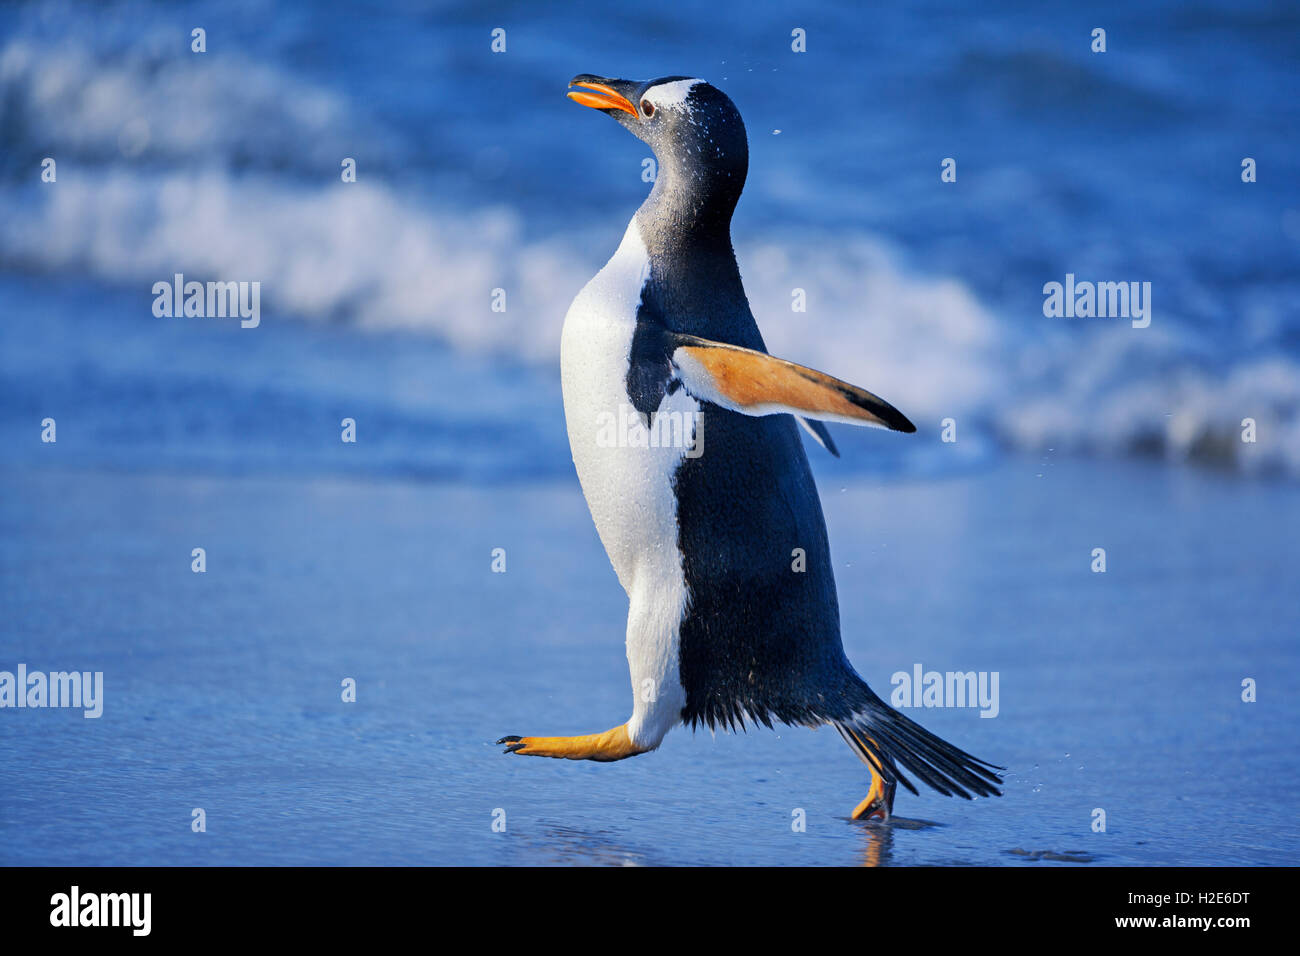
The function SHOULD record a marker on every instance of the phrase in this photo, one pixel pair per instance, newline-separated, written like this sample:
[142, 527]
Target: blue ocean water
[475, 174]
[371, 560]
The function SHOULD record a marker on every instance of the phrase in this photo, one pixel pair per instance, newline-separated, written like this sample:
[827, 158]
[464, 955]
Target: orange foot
[613, 744]
[879, 801]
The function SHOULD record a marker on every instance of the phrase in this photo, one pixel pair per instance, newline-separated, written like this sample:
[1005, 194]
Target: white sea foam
[380, 257]
[365, 254]
[203, 108]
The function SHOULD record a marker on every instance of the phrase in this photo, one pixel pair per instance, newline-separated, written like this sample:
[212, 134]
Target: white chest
[628, 482]
[628, 486]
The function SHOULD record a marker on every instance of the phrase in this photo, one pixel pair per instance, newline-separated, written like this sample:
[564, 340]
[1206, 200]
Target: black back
[759, 640]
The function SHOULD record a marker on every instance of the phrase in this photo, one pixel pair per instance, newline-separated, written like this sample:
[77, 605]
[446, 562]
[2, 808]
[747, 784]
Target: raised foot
[613, 744]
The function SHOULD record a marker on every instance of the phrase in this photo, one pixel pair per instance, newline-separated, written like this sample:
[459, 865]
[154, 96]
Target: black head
[693, 128]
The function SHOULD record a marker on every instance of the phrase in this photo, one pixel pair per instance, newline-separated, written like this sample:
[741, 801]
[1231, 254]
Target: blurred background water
[475, 173]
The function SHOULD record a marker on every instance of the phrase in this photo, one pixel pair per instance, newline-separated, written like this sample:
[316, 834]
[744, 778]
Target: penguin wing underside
[755, 383]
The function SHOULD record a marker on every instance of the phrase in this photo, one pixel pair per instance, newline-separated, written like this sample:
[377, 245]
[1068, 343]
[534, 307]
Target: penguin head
[694, 129]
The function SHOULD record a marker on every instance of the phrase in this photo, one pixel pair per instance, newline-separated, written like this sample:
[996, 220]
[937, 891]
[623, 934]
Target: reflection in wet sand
[879, 838]
[1067, 856]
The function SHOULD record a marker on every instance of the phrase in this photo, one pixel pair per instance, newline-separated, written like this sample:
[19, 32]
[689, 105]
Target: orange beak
[608, 98]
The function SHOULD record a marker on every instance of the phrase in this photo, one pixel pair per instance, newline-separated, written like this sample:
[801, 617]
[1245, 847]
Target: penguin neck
[690, 212]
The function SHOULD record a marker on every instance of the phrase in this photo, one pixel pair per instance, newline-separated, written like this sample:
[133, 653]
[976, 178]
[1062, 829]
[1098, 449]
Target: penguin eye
[647, 108]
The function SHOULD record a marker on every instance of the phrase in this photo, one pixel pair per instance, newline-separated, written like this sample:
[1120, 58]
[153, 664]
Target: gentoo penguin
[701, 527]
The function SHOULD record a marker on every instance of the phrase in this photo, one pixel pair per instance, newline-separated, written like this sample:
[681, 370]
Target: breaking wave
[229, 170]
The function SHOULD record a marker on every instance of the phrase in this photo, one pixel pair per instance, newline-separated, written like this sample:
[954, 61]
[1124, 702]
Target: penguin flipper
[819, 433]
[755, 383]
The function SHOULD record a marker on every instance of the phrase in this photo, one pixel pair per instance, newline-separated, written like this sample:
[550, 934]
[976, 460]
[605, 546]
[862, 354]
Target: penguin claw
[879, 803]
[514, 741]
[874, 811]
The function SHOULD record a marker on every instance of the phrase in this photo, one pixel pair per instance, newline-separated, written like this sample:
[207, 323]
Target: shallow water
[1117, 690]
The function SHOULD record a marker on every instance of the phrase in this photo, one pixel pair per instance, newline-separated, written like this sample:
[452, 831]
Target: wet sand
[1118, 691]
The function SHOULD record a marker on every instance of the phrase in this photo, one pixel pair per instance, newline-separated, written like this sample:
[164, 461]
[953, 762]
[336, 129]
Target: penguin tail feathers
[890, 744]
